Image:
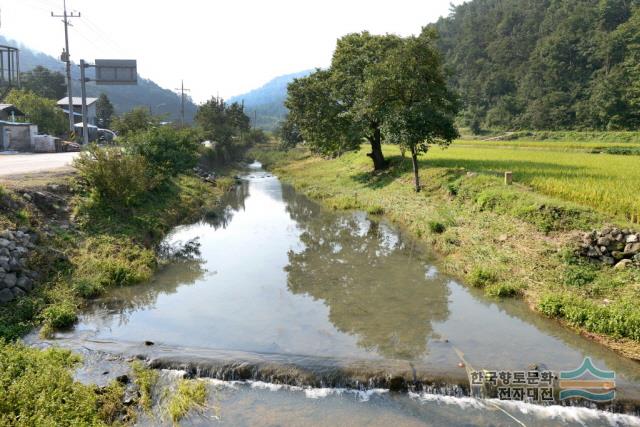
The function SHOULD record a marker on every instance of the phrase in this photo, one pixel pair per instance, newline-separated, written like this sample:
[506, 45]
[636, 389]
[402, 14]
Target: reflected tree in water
[373, 282]
[231, 202]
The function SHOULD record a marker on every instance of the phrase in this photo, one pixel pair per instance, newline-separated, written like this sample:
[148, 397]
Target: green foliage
[137, 120]
[320, 116]
[112, 176]
[288, 133]
[579, 275]
[221, 122]
[545, 64]
[168, 151]
[146, 379]
[104, 111]
[436, 227]
[191, 394]
[621, 319]
[255, 136]
[44, 83]
[502, 290]
[37, 389]
[482, 277]
[105, 262]
[40, 111]
[58, 316]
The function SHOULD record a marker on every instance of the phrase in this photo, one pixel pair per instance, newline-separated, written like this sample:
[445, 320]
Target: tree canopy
[39, 110]
[104, 110]
[44, 83]
[377, 87]
[545, 64]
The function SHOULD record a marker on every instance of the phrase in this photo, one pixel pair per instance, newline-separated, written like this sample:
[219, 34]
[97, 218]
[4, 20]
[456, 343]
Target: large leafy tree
[320, 116]
[104, 110]
[44, 82]
[331, 107]
[39, 110]
[409, 91]
[222, 122]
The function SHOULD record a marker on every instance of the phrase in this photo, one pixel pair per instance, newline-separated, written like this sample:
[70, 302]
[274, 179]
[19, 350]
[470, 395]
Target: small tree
[168, 150]
[288, 133]
[44, 82]
[40, 111]
[136, 120]
[104, 110]
[410, 88]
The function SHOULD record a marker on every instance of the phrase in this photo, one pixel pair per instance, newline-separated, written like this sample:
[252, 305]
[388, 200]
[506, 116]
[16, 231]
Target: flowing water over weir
[301, 316]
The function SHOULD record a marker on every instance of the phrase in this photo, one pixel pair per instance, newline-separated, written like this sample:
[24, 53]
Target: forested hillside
[545, 64]
[267, 101]
[124, 98]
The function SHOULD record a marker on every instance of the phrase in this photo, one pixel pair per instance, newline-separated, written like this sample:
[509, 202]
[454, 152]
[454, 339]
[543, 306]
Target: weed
[436, 227]
[145, 378]
[482, 277]
[191, 394]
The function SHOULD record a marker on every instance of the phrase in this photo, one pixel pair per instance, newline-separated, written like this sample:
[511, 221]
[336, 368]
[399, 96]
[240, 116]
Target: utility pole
[66, 57]
[83, 86]
[182, 91]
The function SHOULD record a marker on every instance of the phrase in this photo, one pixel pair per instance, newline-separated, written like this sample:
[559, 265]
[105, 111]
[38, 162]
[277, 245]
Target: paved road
[16, 164]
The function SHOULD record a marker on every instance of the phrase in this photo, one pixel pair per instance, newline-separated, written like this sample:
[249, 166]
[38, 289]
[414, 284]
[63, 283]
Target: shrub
[37, 388]
[60, 315]
[502, 290]
[375, 210]
[579, 275]
[114, 177]
[436, 227]
[168, 150]
[480, 277]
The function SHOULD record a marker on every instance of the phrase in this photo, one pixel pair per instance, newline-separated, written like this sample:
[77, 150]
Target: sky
[223, 48]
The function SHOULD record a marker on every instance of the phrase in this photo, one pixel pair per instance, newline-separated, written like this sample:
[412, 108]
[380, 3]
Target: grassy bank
[85, 250]
[512, 241]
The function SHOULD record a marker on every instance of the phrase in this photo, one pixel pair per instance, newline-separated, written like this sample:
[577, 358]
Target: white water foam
[556, 413]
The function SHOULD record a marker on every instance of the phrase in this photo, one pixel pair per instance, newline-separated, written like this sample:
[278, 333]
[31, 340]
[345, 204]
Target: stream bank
[337, 304]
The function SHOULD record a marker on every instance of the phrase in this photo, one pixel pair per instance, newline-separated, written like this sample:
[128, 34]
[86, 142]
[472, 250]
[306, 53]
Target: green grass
[38, 389]
[190, 395]
[508, 240]
[146, 379]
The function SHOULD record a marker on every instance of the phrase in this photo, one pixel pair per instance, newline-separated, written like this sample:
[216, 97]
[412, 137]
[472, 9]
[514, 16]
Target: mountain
[266, 103]
[545, 64]
[146, 93]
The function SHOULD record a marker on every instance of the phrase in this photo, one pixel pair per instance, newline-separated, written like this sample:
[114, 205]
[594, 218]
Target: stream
[298, 315]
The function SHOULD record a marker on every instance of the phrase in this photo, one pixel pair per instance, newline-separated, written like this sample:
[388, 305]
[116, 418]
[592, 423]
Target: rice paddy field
[607, 183]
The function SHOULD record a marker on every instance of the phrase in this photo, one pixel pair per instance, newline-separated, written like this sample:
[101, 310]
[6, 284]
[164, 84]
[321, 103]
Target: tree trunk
[379, 162]
[416, 175]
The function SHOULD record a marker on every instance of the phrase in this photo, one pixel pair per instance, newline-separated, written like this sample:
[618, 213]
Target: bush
[481, 277]
[58, 316]
[37, 389]
[502, 290]
[168, 150]
[436, 227]
[115, 177]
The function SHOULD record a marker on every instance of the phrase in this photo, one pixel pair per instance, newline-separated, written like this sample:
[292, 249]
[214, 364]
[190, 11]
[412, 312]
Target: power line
[182, 91]
[66, 57]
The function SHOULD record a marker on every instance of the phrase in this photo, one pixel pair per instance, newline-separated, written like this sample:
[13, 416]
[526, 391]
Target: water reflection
[117, 308]
[373, 282]
[232, 202]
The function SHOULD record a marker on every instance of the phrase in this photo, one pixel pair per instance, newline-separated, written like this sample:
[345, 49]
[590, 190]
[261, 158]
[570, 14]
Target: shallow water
[282, 278]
